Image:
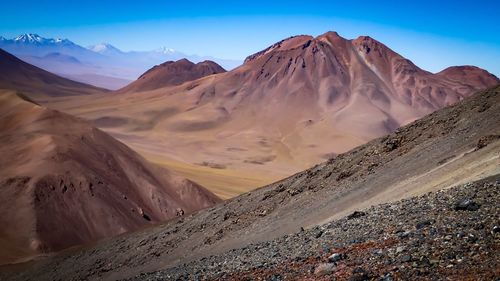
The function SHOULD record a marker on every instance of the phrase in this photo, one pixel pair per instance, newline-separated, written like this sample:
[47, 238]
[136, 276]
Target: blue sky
[433, 34]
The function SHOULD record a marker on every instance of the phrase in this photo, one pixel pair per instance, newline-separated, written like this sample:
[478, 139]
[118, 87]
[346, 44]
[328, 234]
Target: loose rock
[324, 269]
[466, 205]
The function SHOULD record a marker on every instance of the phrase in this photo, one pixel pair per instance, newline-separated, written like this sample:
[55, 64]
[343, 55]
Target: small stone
[433, 231]
[359, 274]
[423, 224]
[387, 277]
[227, 215]
[335, 257]
[276, 277]
[356, 214]
[392, 144]
[295, 191]
[324, 269]
[179, 212]
[406, 258]
[400, 249]
[466, 205]
[325, 248]
[144, 215]
[471, 238]
[479, 226]
[359, 270]
[353, 241]
[404, 234]
[496, 229]
[424, 262]
[318, 233]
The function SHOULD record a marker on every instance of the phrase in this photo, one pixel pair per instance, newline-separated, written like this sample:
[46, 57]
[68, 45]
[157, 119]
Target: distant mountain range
[100, 65]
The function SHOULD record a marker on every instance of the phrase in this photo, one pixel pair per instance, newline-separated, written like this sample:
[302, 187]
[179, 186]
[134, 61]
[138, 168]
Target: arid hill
[294, 225]
[35, 82]
[172, 73]
[65, 183]
[287, 108]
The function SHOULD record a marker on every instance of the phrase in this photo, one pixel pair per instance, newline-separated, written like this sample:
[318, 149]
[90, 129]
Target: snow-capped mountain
[31, 38]
[105, 49]
[165, 50]
[30, 44]
[104, 61]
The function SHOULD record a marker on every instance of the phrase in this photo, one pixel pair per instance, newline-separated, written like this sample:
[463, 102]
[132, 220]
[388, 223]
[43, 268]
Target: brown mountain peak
[285, 44]
[172, 73]
[184, 61]
[469, 74]
[368, 44]
[331, 34]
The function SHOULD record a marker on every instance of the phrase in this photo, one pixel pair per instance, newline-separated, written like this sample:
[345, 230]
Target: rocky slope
[172, 73]
[450, 234]
[287, 108]
[453, 146]
[65, 183]
[35, 82]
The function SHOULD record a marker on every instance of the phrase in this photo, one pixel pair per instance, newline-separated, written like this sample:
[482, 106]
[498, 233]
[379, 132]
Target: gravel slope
[453, 234]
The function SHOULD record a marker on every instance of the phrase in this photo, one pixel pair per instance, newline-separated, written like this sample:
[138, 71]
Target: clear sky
[433, 34]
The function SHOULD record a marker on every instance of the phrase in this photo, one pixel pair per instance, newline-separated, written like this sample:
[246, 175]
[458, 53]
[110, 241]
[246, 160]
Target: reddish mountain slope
[343, 76]
[65, 183]
[36, 82]
[471, 75]
[172, 73]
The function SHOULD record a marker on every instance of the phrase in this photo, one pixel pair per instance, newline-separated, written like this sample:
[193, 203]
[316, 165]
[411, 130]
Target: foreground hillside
[450, 147]
[450, 234]
[65, 183]
[287, 108]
